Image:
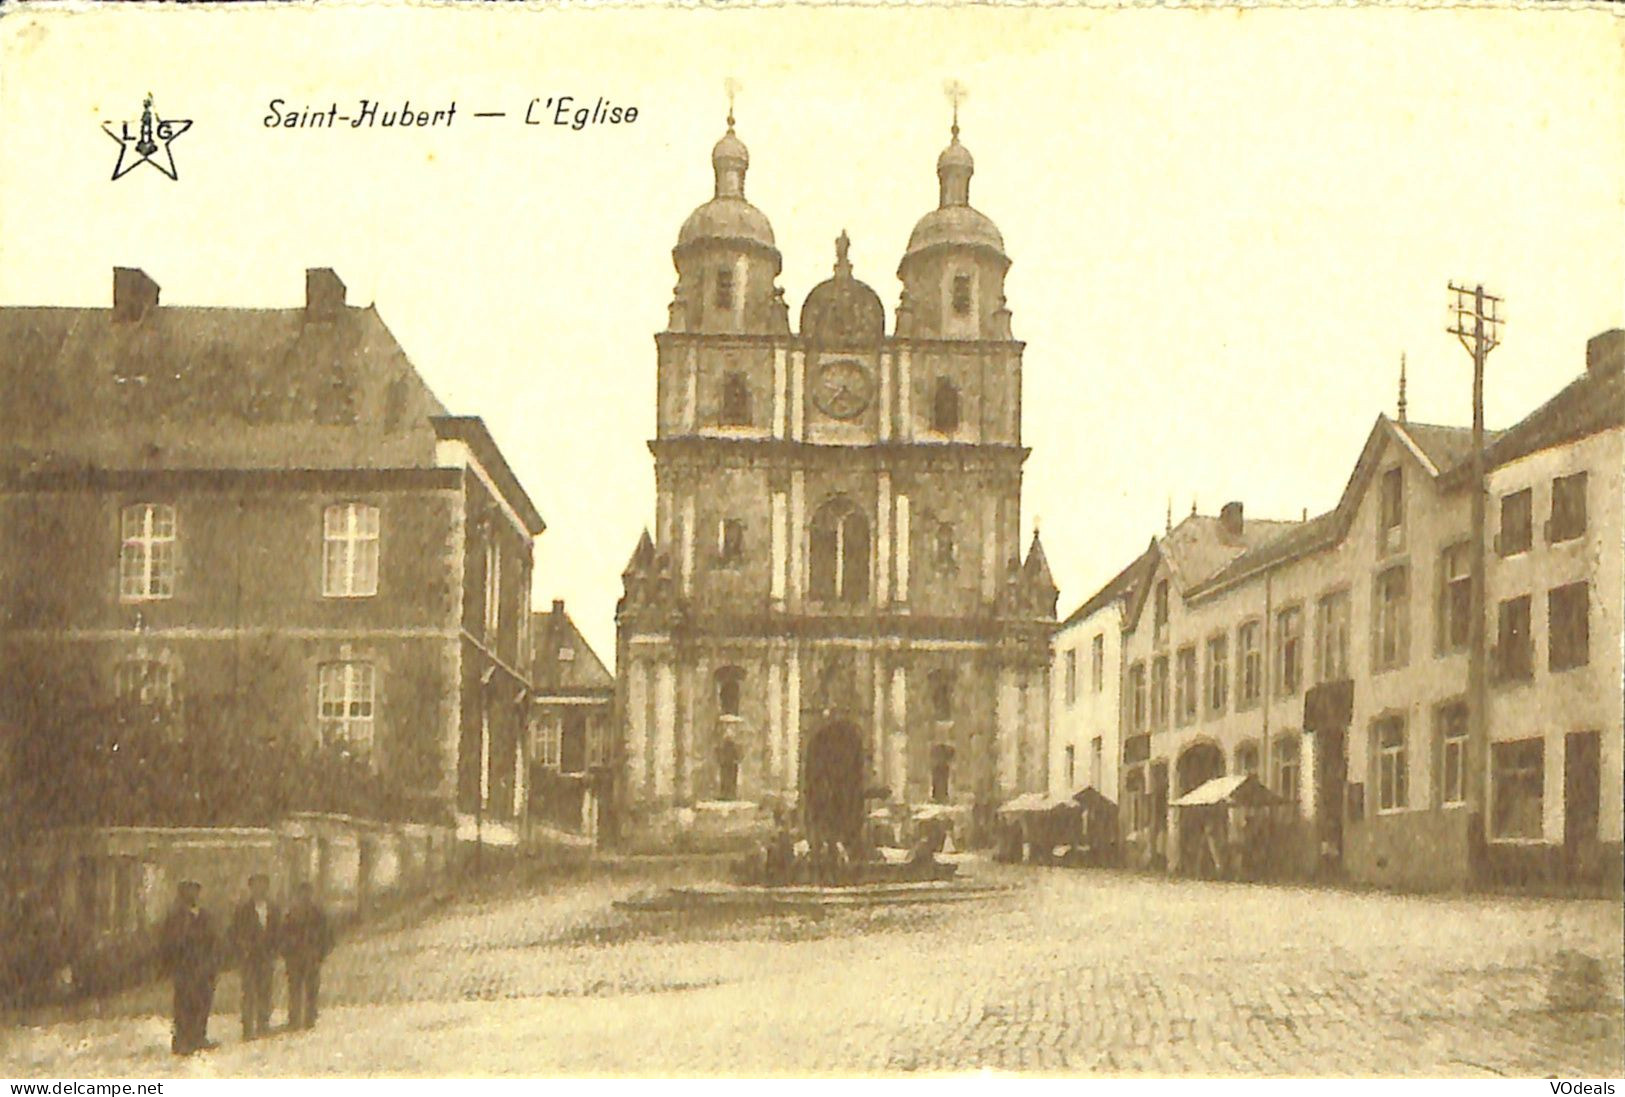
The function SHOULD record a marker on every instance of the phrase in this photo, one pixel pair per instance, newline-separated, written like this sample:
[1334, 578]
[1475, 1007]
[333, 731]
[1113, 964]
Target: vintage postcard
[778, 540]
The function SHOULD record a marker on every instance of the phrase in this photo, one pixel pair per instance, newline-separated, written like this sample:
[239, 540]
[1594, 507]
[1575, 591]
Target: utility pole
[1476, 321]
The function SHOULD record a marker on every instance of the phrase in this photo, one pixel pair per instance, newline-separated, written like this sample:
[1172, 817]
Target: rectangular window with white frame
[1517, 789]
[1288, 651]
[1286, 755]
[1159, 693]
[1393, 772]
[1390, 618]
[1185, 687]
[1250, 662]
[350, 551]
[1137, 696]
[1452, 724]
[1071, 675]
[1097, 662]
[493, 587]
[1218, 674]
[1568, 519]
[347, 703]
[1568, 626]
[146, 564]
[1332, 637]
[1455, 598]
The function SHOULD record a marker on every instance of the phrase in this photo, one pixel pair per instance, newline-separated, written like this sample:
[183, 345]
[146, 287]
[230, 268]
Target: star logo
[148, 144]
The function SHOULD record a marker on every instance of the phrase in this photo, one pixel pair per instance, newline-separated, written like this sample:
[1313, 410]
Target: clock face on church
[842, 389]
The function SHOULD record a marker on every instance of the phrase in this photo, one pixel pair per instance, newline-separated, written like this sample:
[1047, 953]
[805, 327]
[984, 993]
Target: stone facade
[834, 606]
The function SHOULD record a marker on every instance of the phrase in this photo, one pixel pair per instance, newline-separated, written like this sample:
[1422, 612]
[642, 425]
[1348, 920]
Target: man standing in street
[256, 928]
[189, 951]
[306, 941]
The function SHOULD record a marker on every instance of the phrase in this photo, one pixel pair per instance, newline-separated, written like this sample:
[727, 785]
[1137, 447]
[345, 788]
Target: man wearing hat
[190, 952]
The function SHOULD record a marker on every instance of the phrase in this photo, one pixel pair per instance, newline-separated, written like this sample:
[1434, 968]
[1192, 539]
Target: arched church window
[942, 764]
[725, 288]
[728, 771]
[730, 686]
[735, 401]
[945, 407]
[942, 695]
[961, 295]
[838, 545]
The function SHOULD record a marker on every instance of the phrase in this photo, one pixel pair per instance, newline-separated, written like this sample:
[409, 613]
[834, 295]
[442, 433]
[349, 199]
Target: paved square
[1065, 971]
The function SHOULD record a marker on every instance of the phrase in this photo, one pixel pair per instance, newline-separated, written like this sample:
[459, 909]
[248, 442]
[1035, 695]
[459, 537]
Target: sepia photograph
[821, 541]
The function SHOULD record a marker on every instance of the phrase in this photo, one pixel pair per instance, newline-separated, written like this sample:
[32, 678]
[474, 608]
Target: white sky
[1226, 225]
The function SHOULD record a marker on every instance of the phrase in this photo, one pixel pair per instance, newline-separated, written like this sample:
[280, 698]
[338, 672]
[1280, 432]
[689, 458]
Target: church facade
[833, 611]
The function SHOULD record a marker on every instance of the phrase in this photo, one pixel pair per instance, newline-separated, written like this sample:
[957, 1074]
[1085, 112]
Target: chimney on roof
[558, 607]
[1230, 521]
[324, 294]
[1605, 353]
[134, 294]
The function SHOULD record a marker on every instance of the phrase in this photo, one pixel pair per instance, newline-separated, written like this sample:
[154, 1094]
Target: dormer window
[961, 295]
[1392, 509]
[945, 407]
[735, 401]
[725, 288]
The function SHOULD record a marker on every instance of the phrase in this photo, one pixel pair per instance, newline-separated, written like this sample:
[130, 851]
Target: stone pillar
[905, 413]
[902, 548]
[797, 426]
[792, 754]
[687, 535]
[781, 393]
[897, 765]
[775, 719]
[691, 388]
[663, 758]
[990, 548]
[883, 549]
[798, 537]
[887, 359]
[780, 548]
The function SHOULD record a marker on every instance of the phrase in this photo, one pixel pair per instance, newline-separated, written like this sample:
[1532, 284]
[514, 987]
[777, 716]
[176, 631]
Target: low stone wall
[96, 898]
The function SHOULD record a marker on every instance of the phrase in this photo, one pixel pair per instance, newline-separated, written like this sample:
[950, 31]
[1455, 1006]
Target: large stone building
[834, 605]
[1330, 656]
[249, 565]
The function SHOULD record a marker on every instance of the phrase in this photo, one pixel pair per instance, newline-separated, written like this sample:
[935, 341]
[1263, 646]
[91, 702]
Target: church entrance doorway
[832, 784]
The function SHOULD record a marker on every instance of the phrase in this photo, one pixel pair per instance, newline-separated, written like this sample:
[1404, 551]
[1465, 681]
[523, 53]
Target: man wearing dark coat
[306, 941]
[190, 952]
[256, 932]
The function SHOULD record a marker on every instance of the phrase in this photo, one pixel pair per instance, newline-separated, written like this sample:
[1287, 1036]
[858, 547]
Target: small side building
[571, 746]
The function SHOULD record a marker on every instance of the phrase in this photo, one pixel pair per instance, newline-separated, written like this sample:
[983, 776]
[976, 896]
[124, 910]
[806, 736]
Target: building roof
[209, 388]
[1591, 403]
[552, 672]
[139, 386]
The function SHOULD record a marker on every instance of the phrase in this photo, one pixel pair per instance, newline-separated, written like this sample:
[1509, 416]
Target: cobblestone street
[1074, 971]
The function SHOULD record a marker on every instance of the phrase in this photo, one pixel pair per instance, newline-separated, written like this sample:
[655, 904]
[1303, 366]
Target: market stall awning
[1034, 803]
[1241, 790]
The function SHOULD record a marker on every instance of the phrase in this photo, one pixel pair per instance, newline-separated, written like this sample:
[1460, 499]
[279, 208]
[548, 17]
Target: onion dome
[954, 223]
[727, 217]
[842, 311]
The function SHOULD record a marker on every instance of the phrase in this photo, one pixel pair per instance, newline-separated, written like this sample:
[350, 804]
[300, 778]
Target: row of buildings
[264, 602]
[1329, 657]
